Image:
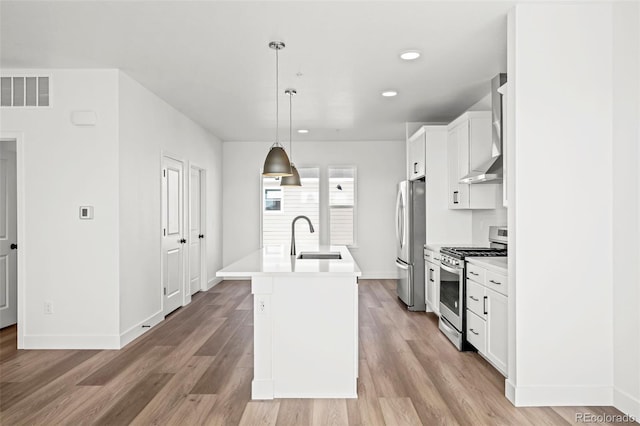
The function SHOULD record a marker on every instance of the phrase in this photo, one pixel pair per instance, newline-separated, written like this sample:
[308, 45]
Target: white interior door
[172, 234]
[196, 233]
[8, 235]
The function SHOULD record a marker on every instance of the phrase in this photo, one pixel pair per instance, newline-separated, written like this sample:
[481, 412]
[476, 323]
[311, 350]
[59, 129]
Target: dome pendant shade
[277, 163]
[293, 180]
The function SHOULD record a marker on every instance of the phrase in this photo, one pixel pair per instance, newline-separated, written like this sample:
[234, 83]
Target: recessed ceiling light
[303, 131]
[410, 55]
[389, 93]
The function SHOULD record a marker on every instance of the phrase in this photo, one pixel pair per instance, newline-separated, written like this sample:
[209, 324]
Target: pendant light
[294, 179]
[277, 163]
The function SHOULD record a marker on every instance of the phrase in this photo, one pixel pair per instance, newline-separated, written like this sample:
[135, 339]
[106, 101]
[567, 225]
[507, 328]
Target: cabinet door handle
[484, 305]
[455, 197]
[473, 331]
[495, 282]
[431, 270]
[473, 298]
[201, 236]
[473, 273]
[415, 170]
[431, 280]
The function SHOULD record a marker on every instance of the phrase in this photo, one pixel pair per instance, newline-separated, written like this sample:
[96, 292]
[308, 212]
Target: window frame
[355, 202]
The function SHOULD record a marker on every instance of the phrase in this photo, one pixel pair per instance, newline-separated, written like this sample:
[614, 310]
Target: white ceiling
[210, 59]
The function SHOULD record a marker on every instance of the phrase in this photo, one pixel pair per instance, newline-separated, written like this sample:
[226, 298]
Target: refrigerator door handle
[401, 265]
[399, 220]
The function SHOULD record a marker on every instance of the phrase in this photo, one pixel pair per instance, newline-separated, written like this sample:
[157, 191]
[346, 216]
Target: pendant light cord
[290, 126]
[277, 106]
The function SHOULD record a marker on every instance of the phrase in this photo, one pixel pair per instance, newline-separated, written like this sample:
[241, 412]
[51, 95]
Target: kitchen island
[305, 322]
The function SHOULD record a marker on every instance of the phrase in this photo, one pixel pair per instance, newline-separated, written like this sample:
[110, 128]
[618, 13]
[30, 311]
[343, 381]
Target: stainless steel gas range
[452, 283]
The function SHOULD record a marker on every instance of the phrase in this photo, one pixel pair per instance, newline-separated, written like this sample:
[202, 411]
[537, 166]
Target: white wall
[380, 165]
[70, 262]
[626, 214]
[562, 79]
[148, 127]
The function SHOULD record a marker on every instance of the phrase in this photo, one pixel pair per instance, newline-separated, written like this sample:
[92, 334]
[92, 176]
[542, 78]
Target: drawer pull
[431, 280]
[431, 270]
[495, 282]
[473, 298]
[473, 331]
[473, 273]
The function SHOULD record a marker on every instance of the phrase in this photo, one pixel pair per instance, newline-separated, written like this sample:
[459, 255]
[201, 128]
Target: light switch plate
[86, 212]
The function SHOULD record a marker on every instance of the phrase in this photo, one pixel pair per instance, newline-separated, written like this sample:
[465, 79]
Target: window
[282, 204]
[272, 200]
[342, 205]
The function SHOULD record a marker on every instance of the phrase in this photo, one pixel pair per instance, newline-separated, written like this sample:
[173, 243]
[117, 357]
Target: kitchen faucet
[293, 232]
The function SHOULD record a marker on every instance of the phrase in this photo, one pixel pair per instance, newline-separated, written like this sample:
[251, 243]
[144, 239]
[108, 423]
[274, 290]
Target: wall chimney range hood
[490, 171]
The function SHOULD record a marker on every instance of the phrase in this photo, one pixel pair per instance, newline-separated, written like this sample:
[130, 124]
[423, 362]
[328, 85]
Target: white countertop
[275, 260]
[496, 264]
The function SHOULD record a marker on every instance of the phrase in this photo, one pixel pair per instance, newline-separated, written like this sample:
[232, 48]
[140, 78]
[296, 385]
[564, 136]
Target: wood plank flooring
[196, 368]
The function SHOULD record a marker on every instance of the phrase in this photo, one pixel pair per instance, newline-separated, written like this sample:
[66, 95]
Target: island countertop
[276, 260]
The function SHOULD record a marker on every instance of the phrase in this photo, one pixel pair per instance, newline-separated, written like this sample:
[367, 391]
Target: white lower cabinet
[432, 286]
[496, 350]
[487, 314]
[476, 331]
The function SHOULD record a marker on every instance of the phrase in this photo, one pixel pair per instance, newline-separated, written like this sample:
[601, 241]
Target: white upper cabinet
[416, 155]
[468, 145]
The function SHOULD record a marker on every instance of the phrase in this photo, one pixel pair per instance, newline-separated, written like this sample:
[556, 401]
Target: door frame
[167, 154]
[203, 226]
[18, 137]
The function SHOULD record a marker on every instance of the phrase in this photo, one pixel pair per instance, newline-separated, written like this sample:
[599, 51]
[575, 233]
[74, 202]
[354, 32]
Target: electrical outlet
[261, 306]
[48, 308]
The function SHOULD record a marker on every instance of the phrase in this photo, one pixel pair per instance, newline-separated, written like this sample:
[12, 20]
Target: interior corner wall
[69, 262]
[563, 130]
[626, 212]
[380, 166]
[150, 127]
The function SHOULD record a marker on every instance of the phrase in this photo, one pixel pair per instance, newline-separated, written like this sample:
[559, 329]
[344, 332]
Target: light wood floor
[196, 368]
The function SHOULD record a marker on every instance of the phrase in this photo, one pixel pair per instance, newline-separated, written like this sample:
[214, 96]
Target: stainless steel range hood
[490, 171]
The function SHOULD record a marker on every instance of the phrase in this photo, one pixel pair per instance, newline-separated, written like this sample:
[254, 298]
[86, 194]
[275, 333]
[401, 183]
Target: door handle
[13, 246]
[455, 197]
[201, 236]
[182, 241]
[402, 265]
[415, 166]
[484, 305]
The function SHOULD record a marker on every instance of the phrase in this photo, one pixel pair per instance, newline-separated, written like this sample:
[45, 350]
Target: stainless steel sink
[319, 255]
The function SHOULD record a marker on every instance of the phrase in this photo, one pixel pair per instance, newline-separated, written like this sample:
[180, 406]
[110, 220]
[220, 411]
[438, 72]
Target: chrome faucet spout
[293, 232]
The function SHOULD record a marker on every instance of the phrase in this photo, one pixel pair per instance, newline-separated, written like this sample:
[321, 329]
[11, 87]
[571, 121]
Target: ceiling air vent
[24, 91]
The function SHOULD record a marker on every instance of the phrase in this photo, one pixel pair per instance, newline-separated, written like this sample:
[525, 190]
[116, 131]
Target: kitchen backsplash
[482, 219]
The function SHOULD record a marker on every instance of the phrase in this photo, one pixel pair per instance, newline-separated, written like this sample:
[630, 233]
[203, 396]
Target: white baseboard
[70, 342]
[510, 391]
[262, 389]
[236, 278]
[137, 330]
[213, 282]
[626, 403]
[542, 396]
[379, 275]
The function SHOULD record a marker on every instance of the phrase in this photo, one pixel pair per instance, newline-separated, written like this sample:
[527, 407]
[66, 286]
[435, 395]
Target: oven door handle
[453, 271]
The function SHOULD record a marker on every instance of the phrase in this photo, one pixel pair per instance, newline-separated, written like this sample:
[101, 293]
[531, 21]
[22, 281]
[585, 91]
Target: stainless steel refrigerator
[410, 240]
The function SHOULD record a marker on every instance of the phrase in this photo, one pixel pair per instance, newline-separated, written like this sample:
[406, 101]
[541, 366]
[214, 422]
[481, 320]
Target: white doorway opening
[197, 234]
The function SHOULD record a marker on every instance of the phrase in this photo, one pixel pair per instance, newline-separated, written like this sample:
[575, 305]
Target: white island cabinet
[305, 322]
